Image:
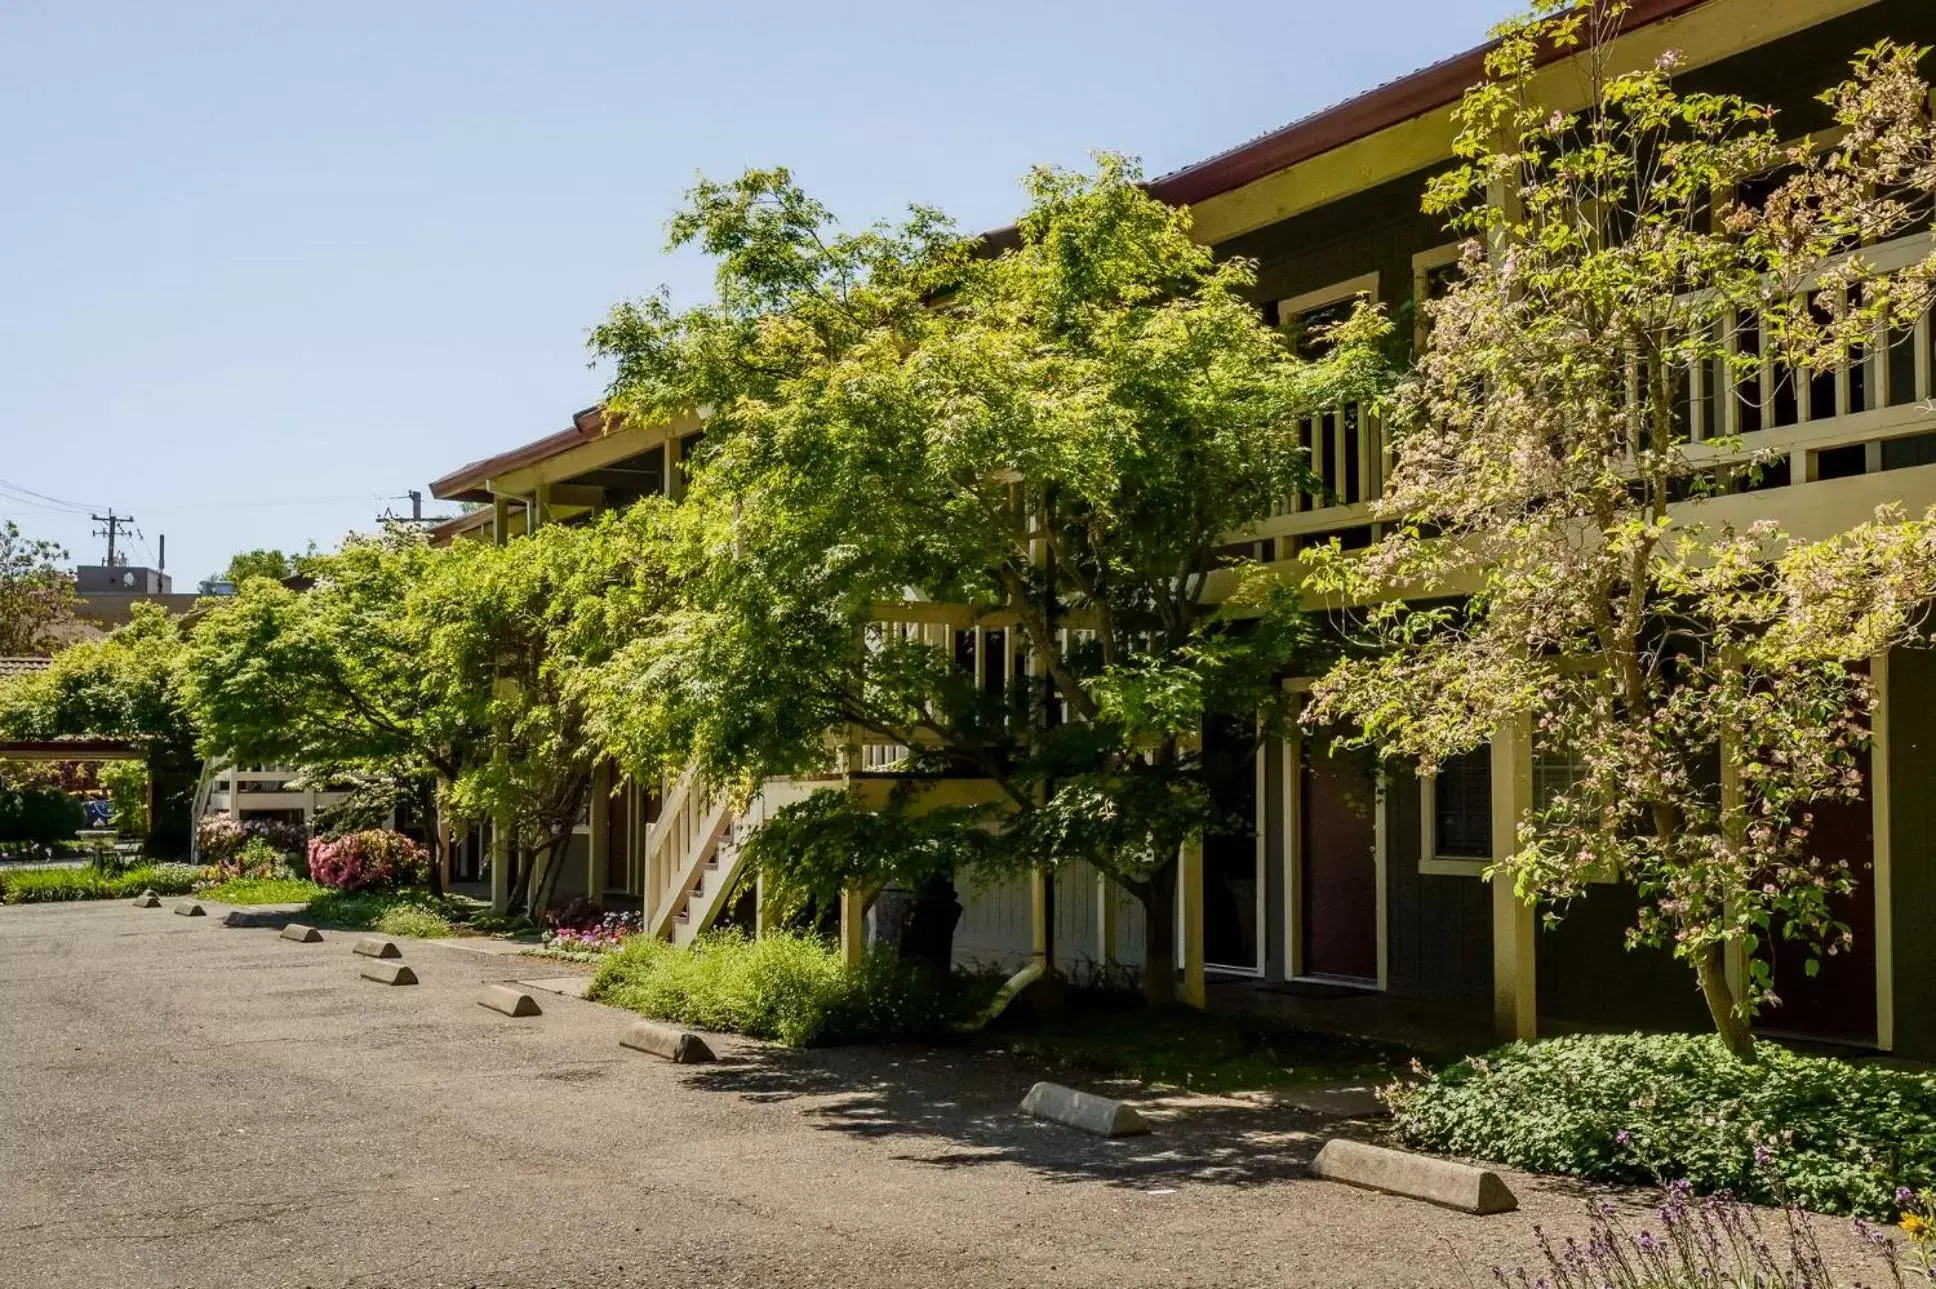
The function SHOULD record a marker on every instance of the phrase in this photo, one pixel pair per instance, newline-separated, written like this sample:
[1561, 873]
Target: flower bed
[588, 940]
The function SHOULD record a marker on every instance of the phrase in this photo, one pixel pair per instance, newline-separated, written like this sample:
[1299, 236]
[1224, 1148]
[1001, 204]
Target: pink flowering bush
[361, 861]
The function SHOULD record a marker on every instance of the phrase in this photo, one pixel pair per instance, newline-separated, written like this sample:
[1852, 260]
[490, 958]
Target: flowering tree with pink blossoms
[1558, 480]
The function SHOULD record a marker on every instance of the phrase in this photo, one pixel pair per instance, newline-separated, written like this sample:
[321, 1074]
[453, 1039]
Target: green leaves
[1055, 437]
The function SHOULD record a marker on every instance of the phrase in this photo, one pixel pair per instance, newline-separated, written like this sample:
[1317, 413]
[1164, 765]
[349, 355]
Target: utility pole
[111, 529]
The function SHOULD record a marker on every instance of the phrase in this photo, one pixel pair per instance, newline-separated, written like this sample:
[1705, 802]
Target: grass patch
[789, 988]
[1112, 1036]
[1838, 1138]
[51, 885]
[409, 912]
[263, 890]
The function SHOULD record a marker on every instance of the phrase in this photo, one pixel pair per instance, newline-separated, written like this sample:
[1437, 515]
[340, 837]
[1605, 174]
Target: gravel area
[188, 1104]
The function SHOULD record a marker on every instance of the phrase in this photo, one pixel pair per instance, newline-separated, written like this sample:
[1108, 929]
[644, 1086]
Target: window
[1457, 816]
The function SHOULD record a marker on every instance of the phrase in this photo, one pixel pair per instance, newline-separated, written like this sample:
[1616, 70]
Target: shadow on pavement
[958, 1109]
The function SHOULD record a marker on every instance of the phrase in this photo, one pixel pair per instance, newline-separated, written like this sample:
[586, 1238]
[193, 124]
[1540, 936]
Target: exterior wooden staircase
[694, 851]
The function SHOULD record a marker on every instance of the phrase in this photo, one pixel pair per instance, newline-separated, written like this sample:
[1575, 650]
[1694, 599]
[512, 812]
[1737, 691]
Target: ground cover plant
[1838, 1137]
[1180, 1047]
[791, 988]
[410, 911]
[48, 885]
[261, 890]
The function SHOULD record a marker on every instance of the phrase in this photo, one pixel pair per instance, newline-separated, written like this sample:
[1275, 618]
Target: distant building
[120, 579]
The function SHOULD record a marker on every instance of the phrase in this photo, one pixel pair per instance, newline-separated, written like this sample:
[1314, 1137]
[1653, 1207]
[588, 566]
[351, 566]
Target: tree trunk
[1158, 897]
[544, 876]
[1711, 969]
[521, 876]
[439, 839]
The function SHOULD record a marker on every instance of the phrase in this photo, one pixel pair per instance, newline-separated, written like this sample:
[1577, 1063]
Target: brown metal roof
[467, 483]
[1429, 88]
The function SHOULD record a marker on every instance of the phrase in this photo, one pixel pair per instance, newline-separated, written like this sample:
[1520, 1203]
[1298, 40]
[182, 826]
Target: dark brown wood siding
[1438, 930]
[1378, 230]
[1912, 848]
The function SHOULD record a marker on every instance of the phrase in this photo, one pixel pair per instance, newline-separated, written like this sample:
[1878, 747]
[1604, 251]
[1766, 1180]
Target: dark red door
[1839, 1002]
[1338, 857]
[618, 853]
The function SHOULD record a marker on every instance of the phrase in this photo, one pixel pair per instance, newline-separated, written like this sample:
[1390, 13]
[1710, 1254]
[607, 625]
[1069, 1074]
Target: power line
[26, 493]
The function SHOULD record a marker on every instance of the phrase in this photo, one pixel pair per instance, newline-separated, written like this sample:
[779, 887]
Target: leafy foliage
[126, 783]
[45, 885]
[1057, 436]
[1544, 461]
[792, 989]
[395, 912]
[375, 859]
[36, 594]
[38, 814]
[1631, 1107]
[122, 685]
[262, 890]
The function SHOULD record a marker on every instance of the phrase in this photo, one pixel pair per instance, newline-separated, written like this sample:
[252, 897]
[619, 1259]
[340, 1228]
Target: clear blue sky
[264, 266]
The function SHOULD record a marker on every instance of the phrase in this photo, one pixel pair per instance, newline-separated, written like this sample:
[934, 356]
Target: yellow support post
[1515, 1002]
[853, 907]
[1039, 918]
[1190, 899]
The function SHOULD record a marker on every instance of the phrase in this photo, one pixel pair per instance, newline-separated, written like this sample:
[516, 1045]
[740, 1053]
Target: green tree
[1546, 463]
[36, 594]
[1059, 437]
[512, 632]
[126, 783]
[122, 685]
[272, 564]
[340, 680]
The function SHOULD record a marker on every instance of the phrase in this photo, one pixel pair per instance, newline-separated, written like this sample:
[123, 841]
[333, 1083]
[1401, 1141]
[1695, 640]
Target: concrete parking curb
[301, 934]
[190, 909]
[148, 900]
[1444, 1182]
[1083, 1111]
[512, 1002]
[371, 947]
[390, 973]
[681, 1047]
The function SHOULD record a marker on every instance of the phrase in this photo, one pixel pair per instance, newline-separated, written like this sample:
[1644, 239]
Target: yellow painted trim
[1882, 871]
[853, 939]
[1709, 34]
[1363, 284]
[1292, 824]
[593, 454]
[1515, 1002]
[1190, 906]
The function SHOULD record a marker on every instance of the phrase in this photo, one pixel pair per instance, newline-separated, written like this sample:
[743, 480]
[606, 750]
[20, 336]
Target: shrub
[126, 783]
[1631, 1107]
[218, 838]
[786, 987]
[254, 859]
[39, 815]
[48, 885]
[367, 860]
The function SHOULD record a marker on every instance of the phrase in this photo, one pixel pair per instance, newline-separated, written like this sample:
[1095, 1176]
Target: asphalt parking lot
[188, 1104]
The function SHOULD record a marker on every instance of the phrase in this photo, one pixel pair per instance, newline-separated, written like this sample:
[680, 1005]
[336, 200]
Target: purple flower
[1622, 1138]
